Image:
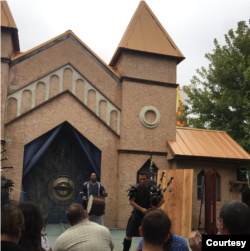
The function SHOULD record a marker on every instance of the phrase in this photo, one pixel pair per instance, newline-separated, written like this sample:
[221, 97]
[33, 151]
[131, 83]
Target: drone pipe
[6, 167]
[168, 184]
[3, 151]
[162, 174]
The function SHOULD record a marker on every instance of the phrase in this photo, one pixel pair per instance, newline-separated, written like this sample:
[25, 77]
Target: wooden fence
[178, 203]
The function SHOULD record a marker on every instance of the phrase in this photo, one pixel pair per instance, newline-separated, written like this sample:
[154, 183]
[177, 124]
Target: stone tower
[146, 59]
[9, 46]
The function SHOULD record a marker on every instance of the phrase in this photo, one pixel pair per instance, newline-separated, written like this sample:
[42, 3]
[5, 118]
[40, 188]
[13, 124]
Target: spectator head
[76, 213]
[155, 228]
[33, 225]
[12, 222]
[234, 218]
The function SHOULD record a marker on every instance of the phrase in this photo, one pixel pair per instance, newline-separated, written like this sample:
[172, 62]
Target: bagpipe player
[143, 198]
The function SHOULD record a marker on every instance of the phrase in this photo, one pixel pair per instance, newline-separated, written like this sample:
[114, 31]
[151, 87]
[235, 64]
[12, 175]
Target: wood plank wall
[178, 203]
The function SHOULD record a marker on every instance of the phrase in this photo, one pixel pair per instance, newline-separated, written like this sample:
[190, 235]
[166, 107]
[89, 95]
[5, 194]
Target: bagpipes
[156, 192]
[5, 183]
[158, 188]
[5, 157]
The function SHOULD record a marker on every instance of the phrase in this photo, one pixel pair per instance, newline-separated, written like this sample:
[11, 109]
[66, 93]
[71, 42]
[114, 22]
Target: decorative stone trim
[129, 151]
[149, 82]
[143, 120]
[5, 60]
[18, 95]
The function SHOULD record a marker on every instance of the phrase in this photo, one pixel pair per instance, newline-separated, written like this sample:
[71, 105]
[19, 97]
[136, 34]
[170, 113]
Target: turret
[146, 59]
[9, 45]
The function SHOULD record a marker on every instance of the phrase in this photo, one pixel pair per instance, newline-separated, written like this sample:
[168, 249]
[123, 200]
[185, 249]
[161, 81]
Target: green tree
[219, 97]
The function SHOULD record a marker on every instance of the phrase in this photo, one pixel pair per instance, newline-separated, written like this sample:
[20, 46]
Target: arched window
[200, 180]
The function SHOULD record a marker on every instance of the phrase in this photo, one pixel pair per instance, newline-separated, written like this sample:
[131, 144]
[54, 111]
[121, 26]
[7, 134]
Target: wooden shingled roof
[200, 143]
[145, 33]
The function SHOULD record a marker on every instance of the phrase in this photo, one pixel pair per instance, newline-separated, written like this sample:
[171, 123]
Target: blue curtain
[36, 149]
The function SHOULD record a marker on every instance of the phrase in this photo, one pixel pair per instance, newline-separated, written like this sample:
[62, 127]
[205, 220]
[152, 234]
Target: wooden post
[214, 201]
[208, 202]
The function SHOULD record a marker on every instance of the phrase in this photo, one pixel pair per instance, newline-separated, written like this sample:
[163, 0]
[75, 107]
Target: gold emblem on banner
[63, 189]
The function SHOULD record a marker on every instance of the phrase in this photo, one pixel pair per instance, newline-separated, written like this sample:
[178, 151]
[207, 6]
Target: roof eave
[69, 33]
[211, 159]
[119, 51]
[14, 37]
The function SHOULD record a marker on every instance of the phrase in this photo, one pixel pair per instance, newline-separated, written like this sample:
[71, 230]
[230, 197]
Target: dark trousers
[134, 223]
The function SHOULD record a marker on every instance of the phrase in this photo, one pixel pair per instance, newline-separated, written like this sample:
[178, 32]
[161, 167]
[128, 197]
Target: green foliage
[219, 98]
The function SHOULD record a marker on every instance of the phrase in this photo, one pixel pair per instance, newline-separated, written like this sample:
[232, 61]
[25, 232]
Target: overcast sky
[100, 24]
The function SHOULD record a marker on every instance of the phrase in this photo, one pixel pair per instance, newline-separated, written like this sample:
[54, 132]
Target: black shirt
[11, 246]
[142, 199]
[93, 188]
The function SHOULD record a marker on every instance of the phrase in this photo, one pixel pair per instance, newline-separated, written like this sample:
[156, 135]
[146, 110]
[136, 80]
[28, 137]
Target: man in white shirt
[84, 234]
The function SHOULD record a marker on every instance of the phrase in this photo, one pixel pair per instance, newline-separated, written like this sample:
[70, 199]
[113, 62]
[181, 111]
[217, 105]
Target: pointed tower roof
[7, 21]
[145, 33]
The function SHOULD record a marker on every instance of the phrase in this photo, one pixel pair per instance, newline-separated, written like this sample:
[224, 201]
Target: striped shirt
[85, 235]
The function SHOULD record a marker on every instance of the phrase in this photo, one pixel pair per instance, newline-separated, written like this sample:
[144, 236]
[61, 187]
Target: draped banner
[34, 151]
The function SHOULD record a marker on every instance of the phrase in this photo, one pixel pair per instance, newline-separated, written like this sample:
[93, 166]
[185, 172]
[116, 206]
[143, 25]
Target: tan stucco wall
[4, 79]
[136, 136]
[6, 43]
[6, 52]
[226, 171]
[129, 165]
[58, 55]
[147, 66]
[65, 108]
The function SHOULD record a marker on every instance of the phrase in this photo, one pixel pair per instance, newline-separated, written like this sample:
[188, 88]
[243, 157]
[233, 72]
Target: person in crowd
[234, 219]
[12, 224]
[157, 226]
[92, 187]
[31, 237]
[155, 230]
[84, 234]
